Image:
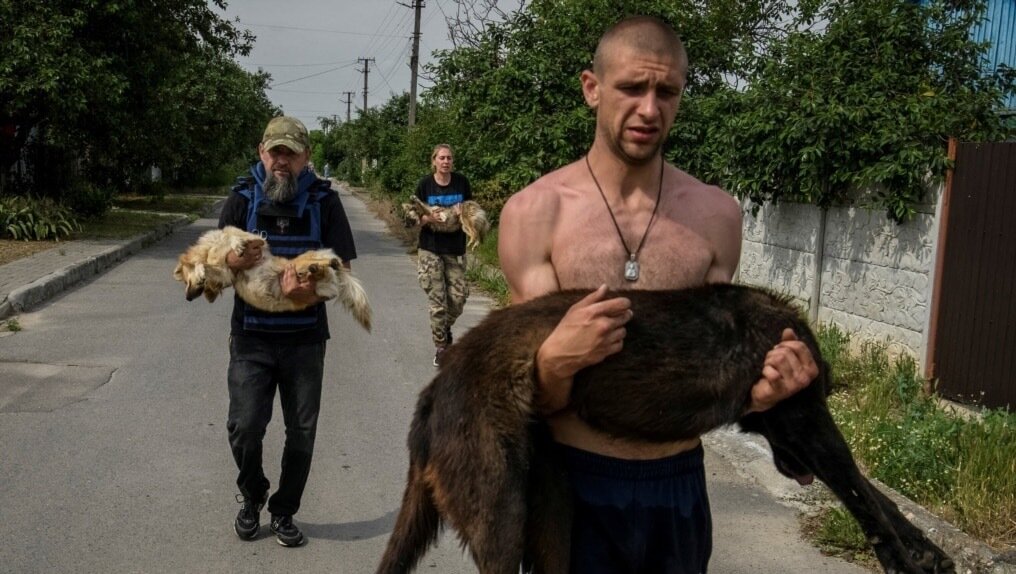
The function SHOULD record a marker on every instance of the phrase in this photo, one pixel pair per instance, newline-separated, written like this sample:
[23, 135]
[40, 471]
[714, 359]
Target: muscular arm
[590, 331]
[525, 234]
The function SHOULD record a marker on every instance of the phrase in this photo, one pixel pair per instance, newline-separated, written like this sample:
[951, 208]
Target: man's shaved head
[642, 34]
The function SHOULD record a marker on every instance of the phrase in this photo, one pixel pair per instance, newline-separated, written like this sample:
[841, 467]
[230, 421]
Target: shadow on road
[347, 531]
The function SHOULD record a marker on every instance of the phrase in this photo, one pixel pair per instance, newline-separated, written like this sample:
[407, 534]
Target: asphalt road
[113, 450]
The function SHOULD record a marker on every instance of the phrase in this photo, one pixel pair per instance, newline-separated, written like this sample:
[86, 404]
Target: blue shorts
[639, 516]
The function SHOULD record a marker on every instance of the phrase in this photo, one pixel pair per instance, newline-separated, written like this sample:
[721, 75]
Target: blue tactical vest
[290, 229]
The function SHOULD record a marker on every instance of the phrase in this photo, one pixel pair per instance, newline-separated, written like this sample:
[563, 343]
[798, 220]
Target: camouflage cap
[286, 131]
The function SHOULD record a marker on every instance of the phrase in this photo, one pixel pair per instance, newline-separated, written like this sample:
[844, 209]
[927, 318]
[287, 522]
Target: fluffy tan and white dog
[468, 216]
[203, 270]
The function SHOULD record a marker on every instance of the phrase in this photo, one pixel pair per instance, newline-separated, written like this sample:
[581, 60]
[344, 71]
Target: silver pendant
[631, 270]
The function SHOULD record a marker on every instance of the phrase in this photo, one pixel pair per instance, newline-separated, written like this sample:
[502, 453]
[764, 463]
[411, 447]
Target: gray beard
[280, 190]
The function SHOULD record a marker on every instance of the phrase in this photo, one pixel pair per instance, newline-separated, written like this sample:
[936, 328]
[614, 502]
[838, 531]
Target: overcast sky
[311, 47]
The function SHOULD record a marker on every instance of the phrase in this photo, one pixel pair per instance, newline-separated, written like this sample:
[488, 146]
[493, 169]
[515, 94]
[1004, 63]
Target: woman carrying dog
[441, 257]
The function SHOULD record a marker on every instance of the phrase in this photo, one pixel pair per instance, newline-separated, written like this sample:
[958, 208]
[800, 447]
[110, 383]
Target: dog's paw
[247, 244]
[440, 214]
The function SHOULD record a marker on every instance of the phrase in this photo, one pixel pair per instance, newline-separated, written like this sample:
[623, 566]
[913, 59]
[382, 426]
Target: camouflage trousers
[443, 278]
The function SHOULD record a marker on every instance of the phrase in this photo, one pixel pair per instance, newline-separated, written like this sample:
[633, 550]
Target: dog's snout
[194, 291]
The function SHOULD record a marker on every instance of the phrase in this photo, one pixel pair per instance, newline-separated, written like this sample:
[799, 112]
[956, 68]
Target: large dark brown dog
[480, 459]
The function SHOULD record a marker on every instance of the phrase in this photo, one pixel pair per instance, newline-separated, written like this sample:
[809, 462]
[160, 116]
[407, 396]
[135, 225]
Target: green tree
[513, 90]
[866, 101]
[216, 113]
[116, 87]
[806, 101]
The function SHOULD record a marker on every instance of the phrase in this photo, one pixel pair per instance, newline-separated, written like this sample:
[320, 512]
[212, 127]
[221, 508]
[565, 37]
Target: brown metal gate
[973, 331]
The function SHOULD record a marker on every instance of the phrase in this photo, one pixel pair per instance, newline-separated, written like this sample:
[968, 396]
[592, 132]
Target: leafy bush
[963, 467]
[864, 102]
[31, 218]
[88, 200]
[821, 101]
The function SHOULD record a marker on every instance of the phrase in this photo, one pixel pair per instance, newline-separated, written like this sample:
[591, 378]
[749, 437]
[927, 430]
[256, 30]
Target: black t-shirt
[335, 235]
[431, 193]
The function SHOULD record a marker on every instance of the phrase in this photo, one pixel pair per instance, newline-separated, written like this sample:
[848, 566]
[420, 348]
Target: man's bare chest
[589, 252]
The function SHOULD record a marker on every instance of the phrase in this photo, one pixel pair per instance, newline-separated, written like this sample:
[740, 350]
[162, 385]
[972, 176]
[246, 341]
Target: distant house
[999, 28]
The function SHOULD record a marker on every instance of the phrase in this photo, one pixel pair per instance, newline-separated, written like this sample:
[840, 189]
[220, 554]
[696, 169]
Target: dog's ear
[255, 242]
[178, 272]
[212, 293]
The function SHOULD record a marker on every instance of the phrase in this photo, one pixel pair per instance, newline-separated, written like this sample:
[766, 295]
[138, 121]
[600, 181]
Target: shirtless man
[622, 218]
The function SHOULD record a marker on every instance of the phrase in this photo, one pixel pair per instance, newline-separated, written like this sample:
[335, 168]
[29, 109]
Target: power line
[384, 21]
[321, 30]
[385, 78]
[344, 62]
[391, 45]
[305, 92]
[310, 76]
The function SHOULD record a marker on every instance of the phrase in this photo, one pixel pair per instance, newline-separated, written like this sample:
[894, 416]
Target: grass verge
[129, 216]
[962, 468]
[132, 215]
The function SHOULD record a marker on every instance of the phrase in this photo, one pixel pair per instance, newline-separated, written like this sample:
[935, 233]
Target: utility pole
[349, 102]
[414, 61]
[366, 72]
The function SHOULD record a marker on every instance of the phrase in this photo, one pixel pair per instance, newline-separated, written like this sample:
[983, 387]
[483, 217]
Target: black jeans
[256, 368]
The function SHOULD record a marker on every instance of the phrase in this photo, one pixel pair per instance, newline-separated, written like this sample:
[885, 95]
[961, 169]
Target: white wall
[876, 276]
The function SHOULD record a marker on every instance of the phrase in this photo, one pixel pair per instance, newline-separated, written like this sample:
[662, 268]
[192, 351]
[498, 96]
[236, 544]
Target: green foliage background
[823, 101]
[94, 93]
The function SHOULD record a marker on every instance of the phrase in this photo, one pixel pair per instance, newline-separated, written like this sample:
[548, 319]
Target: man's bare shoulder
[543, 195]
[703, 198]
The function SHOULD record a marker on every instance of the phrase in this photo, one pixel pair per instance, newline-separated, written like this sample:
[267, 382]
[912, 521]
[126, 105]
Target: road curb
[752, 458]
[49, 286]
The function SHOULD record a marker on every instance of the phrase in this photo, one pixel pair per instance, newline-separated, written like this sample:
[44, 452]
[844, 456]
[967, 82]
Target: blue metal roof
[999, 28]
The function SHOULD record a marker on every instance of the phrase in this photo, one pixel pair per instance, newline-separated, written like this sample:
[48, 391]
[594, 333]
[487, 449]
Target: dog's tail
[474, 222]
[354, 298]
[416, 528]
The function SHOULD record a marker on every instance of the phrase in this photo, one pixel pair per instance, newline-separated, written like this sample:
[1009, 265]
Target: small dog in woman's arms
[203, 270]
[467, 216]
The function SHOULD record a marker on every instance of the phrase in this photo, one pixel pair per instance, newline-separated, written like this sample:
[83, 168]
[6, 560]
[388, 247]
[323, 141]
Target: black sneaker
[437, 356]
[248, 520]
[285, 531]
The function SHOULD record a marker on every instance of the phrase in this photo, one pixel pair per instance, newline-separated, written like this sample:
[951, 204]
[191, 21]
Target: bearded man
[286, 203]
